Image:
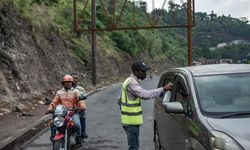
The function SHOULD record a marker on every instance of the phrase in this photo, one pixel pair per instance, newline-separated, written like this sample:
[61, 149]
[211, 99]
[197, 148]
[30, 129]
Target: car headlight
[58, 121]
[221, 141]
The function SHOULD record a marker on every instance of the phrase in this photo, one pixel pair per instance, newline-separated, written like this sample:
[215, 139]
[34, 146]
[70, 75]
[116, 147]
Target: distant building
[244, 19]
[246, 59]
[203, 61]
[234, 42]
[141, 4]
[219, 61]
[221, 45]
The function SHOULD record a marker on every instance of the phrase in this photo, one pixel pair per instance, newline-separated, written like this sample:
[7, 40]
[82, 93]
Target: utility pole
[133, 26]
[153, 5]
[189, 32]
[93, 43]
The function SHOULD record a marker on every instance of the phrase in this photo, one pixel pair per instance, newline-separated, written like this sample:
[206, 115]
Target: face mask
[143, 75]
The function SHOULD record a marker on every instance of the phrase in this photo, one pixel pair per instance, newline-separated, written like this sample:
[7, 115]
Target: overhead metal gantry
[115, 13]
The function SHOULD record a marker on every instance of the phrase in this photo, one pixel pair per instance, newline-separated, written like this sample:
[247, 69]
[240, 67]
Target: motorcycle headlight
[58, 121]
[221, 141]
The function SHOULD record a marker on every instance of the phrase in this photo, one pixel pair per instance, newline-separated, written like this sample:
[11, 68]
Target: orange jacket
[67, 98]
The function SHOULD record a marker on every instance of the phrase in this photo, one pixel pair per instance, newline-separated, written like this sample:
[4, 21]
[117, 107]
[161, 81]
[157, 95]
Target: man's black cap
[140, 66]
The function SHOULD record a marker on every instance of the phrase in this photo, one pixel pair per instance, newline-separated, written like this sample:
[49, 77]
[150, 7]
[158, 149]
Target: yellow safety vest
[131, 110]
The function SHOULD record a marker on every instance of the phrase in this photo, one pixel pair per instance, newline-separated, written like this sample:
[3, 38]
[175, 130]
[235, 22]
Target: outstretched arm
[136, 89]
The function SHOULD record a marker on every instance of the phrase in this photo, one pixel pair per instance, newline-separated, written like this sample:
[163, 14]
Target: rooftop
[217, 69]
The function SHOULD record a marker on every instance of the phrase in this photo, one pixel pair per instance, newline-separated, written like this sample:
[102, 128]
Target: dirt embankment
[33, 62]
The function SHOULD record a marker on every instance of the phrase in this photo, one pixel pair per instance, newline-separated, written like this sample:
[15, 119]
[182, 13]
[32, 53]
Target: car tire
[157, 139]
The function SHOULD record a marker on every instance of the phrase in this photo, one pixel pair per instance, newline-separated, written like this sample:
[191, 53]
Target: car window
[223, 93]
[168, 78]
[165, 96]
[180, 93]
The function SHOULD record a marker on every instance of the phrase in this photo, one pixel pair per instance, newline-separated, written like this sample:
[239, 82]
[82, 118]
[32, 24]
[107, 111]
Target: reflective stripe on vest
[131, 111]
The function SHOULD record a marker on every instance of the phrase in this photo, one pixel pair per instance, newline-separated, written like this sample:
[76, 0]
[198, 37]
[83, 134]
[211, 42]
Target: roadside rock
[5, 110]
[20, 106]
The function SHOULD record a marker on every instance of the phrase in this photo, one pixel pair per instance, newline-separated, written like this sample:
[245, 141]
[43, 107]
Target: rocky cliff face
[30, 62]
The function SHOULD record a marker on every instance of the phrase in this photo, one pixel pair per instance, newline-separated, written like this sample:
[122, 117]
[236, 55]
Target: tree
[213, 15]
[157, 13]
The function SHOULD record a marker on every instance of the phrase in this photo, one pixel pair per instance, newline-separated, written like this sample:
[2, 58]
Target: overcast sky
[236, 8]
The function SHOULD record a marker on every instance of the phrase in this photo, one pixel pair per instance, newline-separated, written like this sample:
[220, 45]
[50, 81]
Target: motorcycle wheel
[58, 145]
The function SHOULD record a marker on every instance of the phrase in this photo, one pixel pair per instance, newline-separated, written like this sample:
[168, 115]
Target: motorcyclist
[69, 97]
[81, 113]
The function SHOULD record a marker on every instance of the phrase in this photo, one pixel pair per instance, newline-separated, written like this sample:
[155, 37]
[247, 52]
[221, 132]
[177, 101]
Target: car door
[178, 124]
[161, 118]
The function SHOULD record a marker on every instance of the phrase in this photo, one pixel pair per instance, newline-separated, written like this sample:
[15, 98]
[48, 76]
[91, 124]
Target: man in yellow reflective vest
[130, 102]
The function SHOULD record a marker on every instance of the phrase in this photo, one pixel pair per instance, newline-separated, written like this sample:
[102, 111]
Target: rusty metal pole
[74, 13]
[189, 32]
[93, 43]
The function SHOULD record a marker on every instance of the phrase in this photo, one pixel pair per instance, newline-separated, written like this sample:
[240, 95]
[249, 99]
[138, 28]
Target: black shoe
[78, 142]
[85, 136]
[77, 145]
[52, 139]
[83, 140]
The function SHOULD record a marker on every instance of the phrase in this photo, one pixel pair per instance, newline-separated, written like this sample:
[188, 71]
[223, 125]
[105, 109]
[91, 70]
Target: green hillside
[157, 45]
[212, 30]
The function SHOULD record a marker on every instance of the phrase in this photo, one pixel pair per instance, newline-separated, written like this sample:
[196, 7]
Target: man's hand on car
[168, 86]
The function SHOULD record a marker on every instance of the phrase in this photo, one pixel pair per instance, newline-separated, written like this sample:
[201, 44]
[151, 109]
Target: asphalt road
[103, 123]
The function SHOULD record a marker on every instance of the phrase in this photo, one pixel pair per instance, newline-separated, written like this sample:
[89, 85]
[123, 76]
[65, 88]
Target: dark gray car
[208, 109]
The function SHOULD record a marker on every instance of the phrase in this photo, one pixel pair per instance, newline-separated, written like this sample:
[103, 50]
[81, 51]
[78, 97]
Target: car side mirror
[174, 107]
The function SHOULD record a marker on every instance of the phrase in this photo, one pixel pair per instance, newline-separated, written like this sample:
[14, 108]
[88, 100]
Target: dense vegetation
[210, 31]
[154, 44]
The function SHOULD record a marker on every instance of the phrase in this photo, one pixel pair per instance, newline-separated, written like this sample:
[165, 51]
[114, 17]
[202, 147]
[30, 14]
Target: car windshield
[223, 95]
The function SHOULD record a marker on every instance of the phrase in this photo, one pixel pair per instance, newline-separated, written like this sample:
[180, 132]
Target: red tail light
[58, 136]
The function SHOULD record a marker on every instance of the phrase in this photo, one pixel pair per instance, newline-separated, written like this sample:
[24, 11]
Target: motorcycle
[65, 138]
